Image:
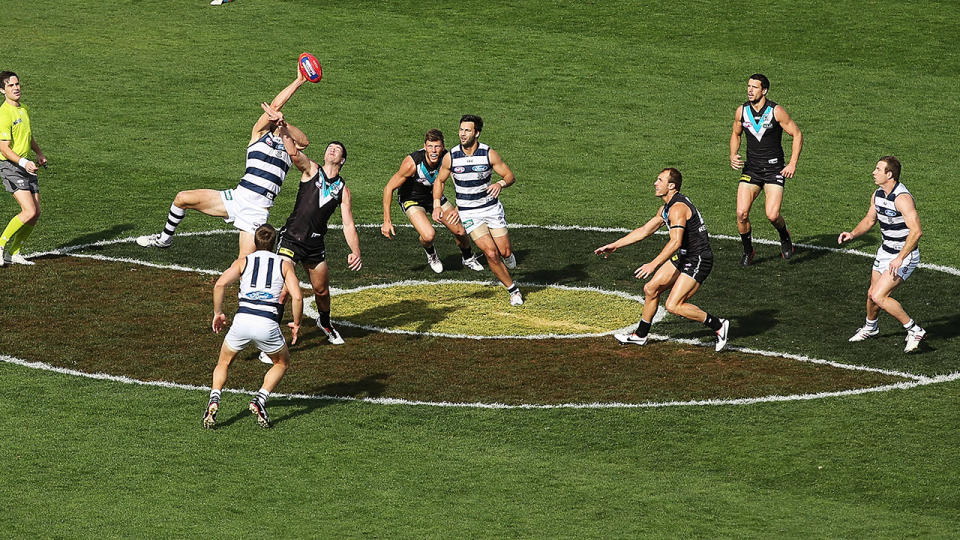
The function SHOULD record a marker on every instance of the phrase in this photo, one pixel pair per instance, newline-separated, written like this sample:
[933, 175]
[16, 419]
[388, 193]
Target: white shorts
[491, 216]
[882, 262]
[263, 332]
[243, 214]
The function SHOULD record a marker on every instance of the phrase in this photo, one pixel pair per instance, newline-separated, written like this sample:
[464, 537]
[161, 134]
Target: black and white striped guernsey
[260, 285]
[893, 228]
[696, 240]
[471, 176]
[267, 166]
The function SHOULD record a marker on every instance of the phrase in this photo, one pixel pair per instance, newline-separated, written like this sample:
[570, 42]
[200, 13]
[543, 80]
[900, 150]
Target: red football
[310, 67]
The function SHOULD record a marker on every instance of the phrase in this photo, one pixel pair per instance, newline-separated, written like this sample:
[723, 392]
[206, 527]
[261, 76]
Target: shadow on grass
[370, 386]
[106, 234]
[568, 274]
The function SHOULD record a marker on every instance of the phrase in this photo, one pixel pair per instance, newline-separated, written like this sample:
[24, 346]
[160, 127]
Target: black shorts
[423, 201]
[759, 177]
[697, 266]
[308, 253]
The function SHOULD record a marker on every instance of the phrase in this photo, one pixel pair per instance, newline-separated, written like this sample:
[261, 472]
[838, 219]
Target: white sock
[872, 324]
[174, 217]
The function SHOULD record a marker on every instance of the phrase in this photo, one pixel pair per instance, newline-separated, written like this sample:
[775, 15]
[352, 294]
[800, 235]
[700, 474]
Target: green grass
[135, 101]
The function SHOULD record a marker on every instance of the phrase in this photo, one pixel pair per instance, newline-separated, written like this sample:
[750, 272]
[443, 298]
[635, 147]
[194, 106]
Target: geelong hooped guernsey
[420, 184]
[317, 199]
[764, 136]
[696, 240]
[893, 227]
[260, 285]
[267, 166]
[471, 176]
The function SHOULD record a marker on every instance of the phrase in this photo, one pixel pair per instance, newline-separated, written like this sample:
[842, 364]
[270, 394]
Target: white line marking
[915, 380]
[478, 405]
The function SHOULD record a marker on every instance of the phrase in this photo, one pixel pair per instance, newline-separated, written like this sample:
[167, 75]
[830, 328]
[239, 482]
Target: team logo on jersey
[890, 213]
[480, 168]
[329, 191]
[757, 126]
[459, 169]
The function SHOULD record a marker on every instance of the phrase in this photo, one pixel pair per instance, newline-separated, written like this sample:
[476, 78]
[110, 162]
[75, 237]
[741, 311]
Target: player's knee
[492, 254]
[426, 237]
[651, 290]
[181, 200]
[673, 307]
[876, 297]
[30, 215]
[774, 217]
[743, 216]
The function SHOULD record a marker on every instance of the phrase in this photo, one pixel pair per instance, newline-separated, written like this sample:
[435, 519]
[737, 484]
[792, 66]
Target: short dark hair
[893, 166]
[764, 81]
[477, 121]
[342, 146]
[5, 76]
[674, 177]
[433, 135]
[264, 237]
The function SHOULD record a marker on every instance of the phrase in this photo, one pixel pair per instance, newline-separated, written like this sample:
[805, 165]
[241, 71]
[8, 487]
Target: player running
[414, 180]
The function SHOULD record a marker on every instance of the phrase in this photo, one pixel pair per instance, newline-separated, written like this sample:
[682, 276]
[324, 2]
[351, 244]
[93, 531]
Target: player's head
[668, 179]
[336, 152]
[889, 167]
[433, 145]
[264, 237]
[470, 127]
[10, 84]
[757, 87]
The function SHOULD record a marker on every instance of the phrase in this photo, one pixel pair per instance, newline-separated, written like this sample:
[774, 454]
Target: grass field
[135, 101]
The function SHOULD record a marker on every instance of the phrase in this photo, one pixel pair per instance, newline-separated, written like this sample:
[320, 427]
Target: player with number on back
[248, 205]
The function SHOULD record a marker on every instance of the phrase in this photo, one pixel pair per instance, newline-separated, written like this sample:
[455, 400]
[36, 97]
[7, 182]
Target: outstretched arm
[350, 231]
[263, 123]
[633, 236]
[299, 158]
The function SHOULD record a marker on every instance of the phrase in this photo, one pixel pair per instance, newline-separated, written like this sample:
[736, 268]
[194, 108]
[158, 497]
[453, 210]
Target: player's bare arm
[500, 167]
[438, 186]
[302, 162]
[41, 159]
[632, 237]
[792, 129]
[736, 162]
[407, 169]
[231, 275]
[867, 223]
[678, 217]
[264, 124]
[350, 231]
[292, 287]
[6, 149]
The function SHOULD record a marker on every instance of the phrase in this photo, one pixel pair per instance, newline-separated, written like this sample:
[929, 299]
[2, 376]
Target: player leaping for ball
[690, 256]
[248, 205]
[414, 180]
[478, 204]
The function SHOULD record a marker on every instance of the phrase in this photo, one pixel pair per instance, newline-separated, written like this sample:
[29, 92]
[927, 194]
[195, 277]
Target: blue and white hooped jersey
[893, 227]
[260, 285]
[471, 176]
[267, 166]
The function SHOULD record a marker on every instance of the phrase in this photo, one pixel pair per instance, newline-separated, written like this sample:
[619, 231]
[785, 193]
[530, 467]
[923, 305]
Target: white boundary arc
[912, 380]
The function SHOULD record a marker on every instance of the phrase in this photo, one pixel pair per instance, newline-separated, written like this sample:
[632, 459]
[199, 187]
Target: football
[310, 67]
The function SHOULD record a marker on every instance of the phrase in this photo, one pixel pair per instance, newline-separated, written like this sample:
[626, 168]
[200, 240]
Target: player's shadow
[945, 327]
[754, 323]
[106, 234]
[421, 313]
[568, 274]
[370, 386]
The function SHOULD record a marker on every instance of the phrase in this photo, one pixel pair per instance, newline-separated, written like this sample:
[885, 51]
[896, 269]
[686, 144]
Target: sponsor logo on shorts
[468, 223]
[228, 194]
[286, 252]
[773, 161]
[316, 235]
[745, 178]
[408, 204]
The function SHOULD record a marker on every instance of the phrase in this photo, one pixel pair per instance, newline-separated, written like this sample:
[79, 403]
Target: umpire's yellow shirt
[15, 126]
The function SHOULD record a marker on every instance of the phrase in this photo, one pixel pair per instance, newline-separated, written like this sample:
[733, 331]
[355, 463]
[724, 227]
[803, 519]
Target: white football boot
[472, 263]
[914, 337]
[865, 332]
[630, 339]
[434, 262]
[152, 240]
